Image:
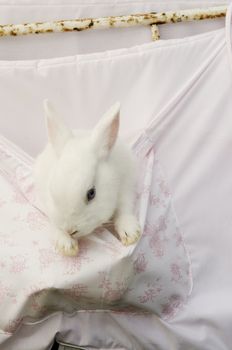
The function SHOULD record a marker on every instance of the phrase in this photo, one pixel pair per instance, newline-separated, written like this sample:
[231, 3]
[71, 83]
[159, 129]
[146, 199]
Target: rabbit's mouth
[73, 233]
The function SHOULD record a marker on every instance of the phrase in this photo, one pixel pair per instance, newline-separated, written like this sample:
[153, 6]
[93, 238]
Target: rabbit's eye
[91, 194]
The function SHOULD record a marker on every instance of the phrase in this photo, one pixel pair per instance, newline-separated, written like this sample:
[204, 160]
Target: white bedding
[152, 276]
[185, 86]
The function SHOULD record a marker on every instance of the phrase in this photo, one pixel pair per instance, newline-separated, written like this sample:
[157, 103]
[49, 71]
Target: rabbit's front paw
[67, 245]
[128, 229]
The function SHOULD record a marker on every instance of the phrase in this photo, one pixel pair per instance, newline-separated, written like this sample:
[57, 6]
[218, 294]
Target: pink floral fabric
[151, 276]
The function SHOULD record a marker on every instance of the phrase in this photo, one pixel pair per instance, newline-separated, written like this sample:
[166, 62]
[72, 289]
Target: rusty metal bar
[155, 32]
[80, 24]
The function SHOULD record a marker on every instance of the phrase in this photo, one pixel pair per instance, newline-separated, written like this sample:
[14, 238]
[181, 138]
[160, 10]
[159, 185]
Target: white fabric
[152, 276]
[184, 86]
[24, 49]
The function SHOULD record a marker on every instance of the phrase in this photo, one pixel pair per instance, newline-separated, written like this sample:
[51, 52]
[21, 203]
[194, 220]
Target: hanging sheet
[186, 115]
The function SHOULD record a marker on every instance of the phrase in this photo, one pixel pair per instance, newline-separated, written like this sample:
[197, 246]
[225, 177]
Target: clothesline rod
[152, 18]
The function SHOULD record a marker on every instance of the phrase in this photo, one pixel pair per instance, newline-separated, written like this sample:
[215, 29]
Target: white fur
[71, 164]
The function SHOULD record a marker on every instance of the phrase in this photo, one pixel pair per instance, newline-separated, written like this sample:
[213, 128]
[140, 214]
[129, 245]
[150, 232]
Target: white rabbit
[84, 179]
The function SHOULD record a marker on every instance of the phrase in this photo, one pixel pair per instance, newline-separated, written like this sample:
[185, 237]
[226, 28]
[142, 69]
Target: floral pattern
[140, 263]
[152, 276]
[112, 291]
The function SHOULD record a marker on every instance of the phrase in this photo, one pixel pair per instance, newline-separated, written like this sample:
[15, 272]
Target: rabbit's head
[83, 185]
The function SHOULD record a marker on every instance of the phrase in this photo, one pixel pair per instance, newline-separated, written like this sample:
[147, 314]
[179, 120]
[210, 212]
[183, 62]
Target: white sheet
[152, 276]
[193, 140]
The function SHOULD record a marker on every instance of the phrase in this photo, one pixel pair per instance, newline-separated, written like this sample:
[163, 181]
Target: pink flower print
[6, 292]
[47, 257]
[150, 293]
[70, 265]
[112, 295]
[18, 263]
[115, 293]
[157, 227]
[154, 200]
[18, 197]
[175, 270]
[77, 290]
[105, 282]
[145, 190]
[147, 229]
[157, 245]
[140, 264]
[111, 292]
[74, 264]
[6, 240]
[169, 309]
[35, 220]
[178, 238]
[162, 226]
[12, 325]
[164, 188]
[21, 174]
[30, 193]
[156, 235]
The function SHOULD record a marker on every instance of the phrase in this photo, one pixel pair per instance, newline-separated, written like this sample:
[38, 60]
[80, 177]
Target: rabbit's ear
[58, 133]
[106, 131]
